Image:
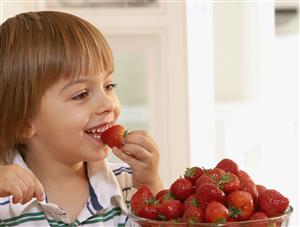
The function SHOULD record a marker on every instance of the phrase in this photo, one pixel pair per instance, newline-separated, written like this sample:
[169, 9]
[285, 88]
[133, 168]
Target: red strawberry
[193, 215]
[170, 209]
[140, 197]
[148, 210]
[272, 202]
[204, 179]
[208, 192]
[259, 216]
[248, 185]
[229, 182]
[215, 174]
[216, 212]
[181, 189]
[228, 166]
[240, 204]
[260, 188]
[113, 136]
[191, 201]
[193, 173]
[242, 173]
[164, 195]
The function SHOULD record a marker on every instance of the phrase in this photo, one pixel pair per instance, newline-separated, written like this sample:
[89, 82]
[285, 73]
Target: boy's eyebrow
[83, 80]
[72, 83]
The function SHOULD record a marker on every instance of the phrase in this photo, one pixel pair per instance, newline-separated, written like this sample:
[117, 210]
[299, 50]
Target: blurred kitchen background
[208, 79]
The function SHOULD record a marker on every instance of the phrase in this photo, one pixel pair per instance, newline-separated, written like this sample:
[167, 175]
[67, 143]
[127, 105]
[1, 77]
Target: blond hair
[36, 50]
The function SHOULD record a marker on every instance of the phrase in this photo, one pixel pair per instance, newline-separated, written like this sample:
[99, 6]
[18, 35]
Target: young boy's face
[68, 110]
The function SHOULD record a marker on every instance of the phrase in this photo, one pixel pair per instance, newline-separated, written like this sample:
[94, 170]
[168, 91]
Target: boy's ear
[27, 132]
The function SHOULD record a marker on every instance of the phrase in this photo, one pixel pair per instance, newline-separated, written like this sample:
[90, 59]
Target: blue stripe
[94, 200]
[4, 203]
[89, 209]
[122, 169]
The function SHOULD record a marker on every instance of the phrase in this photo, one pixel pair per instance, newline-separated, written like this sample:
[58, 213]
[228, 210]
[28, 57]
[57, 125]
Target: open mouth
[96, 132]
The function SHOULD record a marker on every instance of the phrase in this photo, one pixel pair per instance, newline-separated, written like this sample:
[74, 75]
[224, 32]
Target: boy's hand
[20, 183]
[142, 154]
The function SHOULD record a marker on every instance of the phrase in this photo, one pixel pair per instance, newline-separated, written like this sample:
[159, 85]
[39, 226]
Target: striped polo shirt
[110, 187]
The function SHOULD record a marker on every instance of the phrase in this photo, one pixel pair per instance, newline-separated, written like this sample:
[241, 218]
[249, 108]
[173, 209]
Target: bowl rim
[284, 216]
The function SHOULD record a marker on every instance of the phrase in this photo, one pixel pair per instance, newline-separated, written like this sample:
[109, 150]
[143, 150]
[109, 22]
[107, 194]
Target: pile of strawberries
[219, 195]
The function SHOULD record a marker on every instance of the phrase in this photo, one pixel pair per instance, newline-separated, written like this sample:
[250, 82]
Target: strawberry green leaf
[234, 212]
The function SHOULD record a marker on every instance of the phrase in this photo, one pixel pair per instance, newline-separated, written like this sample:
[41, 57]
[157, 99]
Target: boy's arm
[20, 183]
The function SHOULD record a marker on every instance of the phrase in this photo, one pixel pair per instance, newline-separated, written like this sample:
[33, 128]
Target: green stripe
[104, 217]
[24, 215]
[24, 218]
[18, 222]
[56, 223]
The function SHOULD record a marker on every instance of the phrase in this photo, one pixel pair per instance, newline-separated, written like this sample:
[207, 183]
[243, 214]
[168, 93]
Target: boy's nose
[105, 104]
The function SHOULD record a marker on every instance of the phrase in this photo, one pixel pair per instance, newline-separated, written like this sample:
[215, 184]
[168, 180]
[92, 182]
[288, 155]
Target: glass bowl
[279, 221]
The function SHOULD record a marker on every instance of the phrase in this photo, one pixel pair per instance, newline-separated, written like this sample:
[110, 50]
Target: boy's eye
[110, 87]
[80, 96]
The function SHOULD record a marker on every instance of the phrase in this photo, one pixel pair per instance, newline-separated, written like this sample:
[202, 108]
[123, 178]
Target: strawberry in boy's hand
[113, 136]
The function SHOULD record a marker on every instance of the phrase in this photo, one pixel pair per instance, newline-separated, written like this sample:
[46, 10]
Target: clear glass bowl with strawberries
[222, 196]
[279, 221]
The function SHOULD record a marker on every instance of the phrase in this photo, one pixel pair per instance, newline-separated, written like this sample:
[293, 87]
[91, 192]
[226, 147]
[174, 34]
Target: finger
[19, 190]
[137, 151]
[27, 179]
[38, 190]
[141, 138]
[17, 194]
[130, 160]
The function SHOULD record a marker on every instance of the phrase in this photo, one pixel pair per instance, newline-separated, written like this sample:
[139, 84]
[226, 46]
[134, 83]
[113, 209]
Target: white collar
[102, 180]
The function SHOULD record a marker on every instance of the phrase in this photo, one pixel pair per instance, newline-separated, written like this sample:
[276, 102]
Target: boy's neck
[53, 171]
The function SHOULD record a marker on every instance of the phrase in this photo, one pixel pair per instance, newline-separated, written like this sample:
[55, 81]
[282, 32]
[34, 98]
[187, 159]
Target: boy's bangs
[77, 49]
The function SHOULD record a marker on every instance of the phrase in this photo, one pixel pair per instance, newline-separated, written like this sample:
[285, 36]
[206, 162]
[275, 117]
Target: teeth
[96, 136]
[98, 130]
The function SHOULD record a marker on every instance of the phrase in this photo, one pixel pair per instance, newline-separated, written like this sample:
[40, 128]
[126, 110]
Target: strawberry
[113, 136]
[247, 184]
[259, 216]
[191, 201]
[208, 192]
[215, 174]
[215, 212]
[260, 188]
[229, 182]
[193, 173]
[242, 174]
[240, 204]
[181, 189]
[228, 166]
[164, 195]
[272, 202]
[204, 179]
[148, 210]
[170, 209]
[193, 215]
[139, 198]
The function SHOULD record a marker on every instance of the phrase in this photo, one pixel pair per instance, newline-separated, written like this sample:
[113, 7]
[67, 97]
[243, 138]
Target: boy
[56, 97]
